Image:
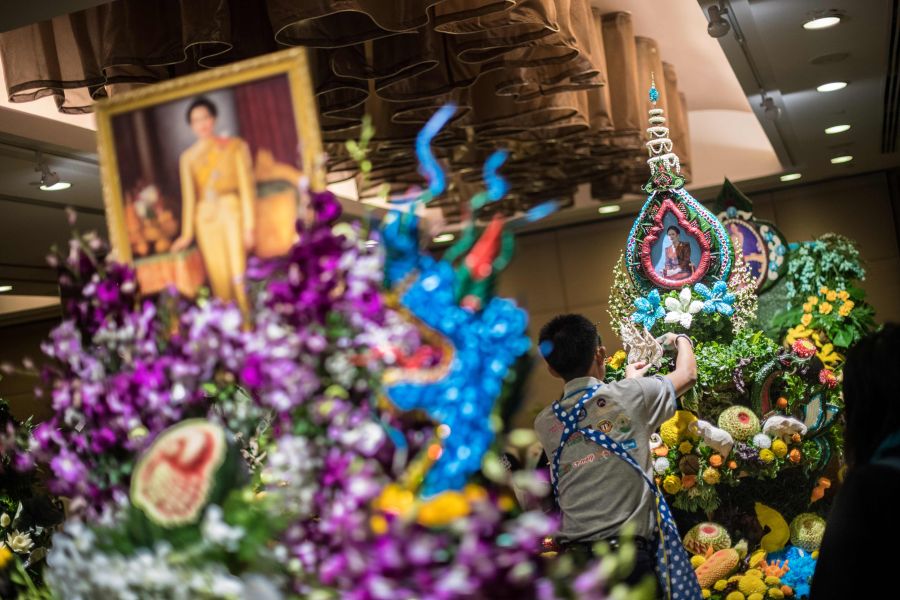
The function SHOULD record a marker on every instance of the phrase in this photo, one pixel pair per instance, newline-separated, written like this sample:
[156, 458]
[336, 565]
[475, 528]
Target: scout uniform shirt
[598, 491]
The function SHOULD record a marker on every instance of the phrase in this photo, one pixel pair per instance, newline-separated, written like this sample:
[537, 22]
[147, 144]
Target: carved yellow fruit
[721, 564]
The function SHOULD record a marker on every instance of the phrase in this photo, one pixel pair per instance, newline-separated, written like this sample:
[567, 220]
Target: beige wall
[571, 269]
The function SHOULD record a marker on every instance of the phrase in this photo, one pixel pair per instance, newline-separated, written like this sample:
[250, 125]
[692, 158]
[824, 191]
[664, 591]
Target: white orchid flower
[682, 309]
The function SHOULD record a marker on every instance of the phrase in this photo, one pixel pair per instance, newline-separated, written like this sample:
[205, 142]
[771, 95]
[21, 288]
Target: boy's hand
[667, 341]
[637, 369]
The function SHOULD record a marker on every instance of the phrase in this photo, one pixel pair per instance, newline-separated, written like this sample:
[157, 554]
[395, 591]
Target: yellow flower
[776, 593]
[829, 357]
[806, 319]
[395, 500]
[378, 524]
[825, 308]
[772, 580]
[766, 455]
[845, 308]
[843, 295]
[812, 299]
[734, 596]
[5, 556]
[754, 573]
[711, 476]
[705, 593]
[807, 307]
[823, 290]
[616, 360]
[779, 448]
[755, 596]
[796, 333]
[697, 560]
[443, 509]
[749, 584]
[672, 484]
[720, 585]
[685, 447]
[831, 295]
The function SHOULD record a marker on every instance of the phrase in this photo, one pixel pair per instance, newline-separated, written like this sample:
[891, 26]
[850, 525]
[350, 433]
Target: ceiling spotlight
[832, 86]
[770, 108]
[718, 26]
[823, 21]
[609, 209]
[59, 185]
[841, 159]
[443, 238]
[5, 288]
[791, 177]
[836, 129]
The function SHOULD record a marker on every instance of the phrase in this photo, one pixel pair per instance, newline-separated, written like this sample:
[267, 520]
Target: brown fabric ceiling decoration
[559, 85]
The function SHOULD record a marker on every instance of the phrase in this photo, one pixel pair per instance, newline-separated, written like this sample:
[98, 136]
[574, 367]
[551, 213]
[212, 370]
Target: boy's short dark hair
[568, 343]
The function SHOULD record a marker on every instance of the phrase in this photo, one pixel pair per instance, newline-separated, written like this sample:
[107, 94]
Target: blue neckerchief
[673, 568]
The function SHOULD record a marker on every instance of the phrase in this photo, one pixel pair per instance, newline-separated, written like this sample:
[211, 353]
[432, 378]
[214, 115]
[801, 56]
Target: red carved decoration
[657, 231]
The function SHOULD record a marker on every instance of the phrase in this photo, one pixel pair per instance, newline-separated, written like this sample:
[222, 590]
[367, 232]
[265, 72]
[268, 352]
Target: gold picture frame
[136, 130]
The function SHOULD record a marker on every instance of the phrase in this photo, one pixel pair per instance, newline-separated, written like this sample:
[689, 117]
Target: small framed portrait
[675, 252]
[203, 172]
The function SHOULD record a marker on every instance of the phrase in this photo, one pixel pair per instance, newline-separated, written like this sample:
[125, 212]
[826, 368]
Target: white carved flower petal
[674, 316]
[685, 297]
[695, 307]
[673, 305]
[686, 320]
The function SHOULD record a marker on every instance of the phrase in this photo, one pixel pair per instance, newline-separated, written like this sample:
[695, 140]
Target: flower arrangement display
[28, 512]
[206, 455]
[823, 301]
[760, 420]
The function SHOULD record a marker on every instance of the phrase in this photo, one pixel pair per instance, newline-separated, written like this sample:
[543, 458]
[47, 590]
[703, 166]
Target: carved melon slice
[176, 477]
[706, 535]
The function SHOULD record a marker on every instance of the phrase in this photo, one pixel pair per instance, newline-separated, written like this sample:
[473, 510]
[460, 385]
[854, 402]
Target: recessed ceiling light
[5, 288]
[841, 159]
[59, 185]
[832, 86]
[791, 177]
[822, 22]
[609, 209]
[836, 129]
[444, 238]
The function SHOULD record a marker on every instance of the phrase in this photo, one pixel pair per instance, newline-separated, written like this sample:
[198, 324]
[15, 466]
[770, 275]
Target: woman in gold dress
[217, 197]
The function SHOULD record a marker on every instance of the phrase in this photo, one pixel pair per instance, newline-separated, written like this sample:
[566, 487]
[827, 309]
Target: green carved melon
[706, 535]
[188, 466]
[807, 530]
[739, 421]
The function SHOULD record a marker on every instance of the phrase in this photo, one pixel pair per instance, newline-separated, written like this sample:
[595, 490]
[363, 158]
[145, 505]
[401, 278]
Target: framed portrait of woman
[203, 172]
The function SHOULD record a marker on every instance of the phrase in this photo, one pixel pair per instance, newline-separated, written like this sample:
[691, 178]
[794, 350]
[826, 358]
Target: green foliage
[830, 260]
[719, 364]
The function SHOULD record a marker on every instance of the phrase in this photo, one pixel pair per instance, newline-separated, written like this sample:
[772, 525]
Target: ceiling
[730, 134]
[772, 52]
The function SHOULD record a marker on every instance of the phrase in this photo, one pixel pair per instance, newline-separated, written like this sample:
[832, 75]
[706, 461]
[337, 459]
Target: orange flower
[782, 402]
[795, 456]
[661, 450]
[715, 460]
[732, 465]
[688, 481]
[796, 438]
[787, 591]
